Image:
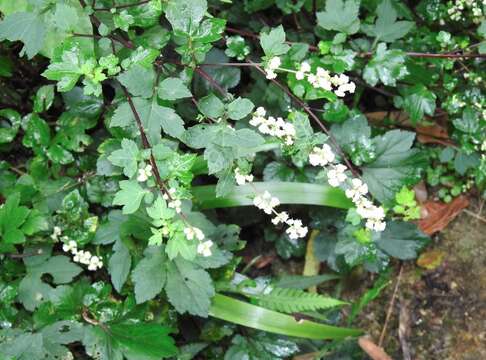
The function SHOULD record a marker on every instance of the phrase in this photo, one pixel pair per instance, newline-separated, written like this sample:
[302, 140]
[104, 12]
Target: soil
[440, 312]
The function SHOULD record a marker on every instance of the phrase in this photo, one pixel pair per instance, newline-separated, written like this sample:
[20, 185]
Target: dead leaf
[433, 134]
[438, 214]
[312, 265]
[421, 193]
[431, 259]
[374, 351]
[404, 329]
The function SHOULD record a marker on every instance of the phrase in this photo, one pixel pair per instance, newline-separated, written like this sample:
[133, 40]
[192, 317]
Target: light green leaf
[149, 275]
[189, 288]
[138, 80]
[273, 42]
[185, 15]
[173, 89]
[126, 157]
[26, 27]
[386, 66]
[130, 196]
[386, 28]
[340, 15]
[239, 108]
[418, 101]
[67, 70]
[179, 245]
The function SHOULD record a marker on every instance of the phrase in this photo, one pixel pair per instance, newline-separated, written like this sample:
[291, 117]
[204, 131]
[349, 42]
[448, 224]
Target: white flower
[82, 257]
[204, 248]
[71, 246]
[270, 75]
[299, 75]
[336, 176]
[295, 229]
[376, 225]
[144, 173]
[192, 232]
[241, 179]
[95, 263]
[175, 204]
[321, 156]
[266, 202]
[358, 190]
[56, 231]
[274, 63]
[280, 218]
[260, 111]
[305, 67]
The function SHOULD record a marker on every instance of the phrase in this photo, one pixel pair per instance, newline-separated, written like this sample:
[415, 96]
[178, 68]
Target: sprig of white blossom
[277, 127]
[354, 188]
[144, 173]
[82, 256]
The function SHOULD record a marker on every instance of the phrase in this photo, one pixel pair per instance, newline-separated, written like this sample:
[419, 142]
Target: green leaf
[396, 165]
[286, 192]
[130, 196]
[189, 288]
[402, 240]
[26, 27]
[173, 89]
[149, 276]
[138, 80]
[67, 70]
[10, 125]
[153, 117]
[126, 157]
[304, 282]
[119, 265]
[256, 317]
[239, 108]
[340, 15]
[218, 158]
[273, 42]
[185, 15]
[211, 106]
[44, 98]
[109, 231]
[12, 216]
[386, 66]
[386, 27]
[147, 341]
[294, 300]
[417, 101]
[178, 245]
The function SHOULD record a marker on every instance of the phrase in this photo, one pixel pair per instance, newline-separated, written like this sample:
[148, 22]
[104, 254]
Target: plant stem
[123, 6]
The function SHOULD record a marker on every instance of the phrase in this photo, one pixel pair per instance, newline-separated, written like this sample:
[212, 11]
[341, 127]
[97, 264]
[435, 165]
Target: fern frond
[295, 300]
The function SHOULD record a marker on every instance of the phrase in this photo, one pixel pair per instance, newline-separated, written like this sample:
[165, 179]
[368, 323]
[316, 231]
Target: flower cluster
[272, 65]
[355, 189]
[173, 203]
[242, 179]
[144, 173]
[268, 203]
[277, 127]
[457, 9]
[204, 247]
[83, 257]
[322, 79]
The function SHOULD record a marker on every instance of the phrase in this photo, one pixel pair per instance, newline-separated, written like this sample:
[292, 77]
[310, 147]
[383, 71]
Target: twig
[474, 215]
[213, 82]
[390, 307]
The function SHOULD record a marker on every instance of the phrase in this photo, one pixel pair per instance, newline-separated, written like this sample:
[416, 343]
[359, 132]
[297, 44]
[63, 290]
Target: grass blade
[286, 192]
[242, 313]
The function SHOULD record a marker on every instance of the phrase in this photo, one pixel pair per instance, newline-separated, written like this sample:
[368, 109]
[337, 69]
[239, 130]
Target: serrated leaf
[138, 80]
[211, 106]
[119, 265]
[189, 289]
[126, 157]
[402, 240]
[239, 108]
[386, 66]
[178, 245]
[273, 42]
[67, 70]
[418, 101]
[26, 27]
[173, 89]
[340, 15]
[386, 28]
[130, 196]
[149, 276]
[396, 165]
[185, 15]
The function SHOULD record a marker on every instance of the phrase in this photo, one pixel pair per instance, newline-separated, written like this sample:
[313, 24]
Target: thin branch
[314, 117]
[390, 307]
[123, 6]
[213, 82]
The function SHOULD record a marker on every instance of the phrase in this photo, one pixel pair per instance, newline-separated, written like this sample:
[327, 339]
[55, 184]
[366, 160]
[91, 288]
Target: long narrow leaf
[256, 317]
[286, 192]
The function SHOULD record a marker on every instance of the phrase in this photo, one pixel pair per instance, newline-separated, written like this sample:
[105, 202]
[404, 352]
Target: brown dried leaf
[431, 259]
[438, 214]
[374, 351]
